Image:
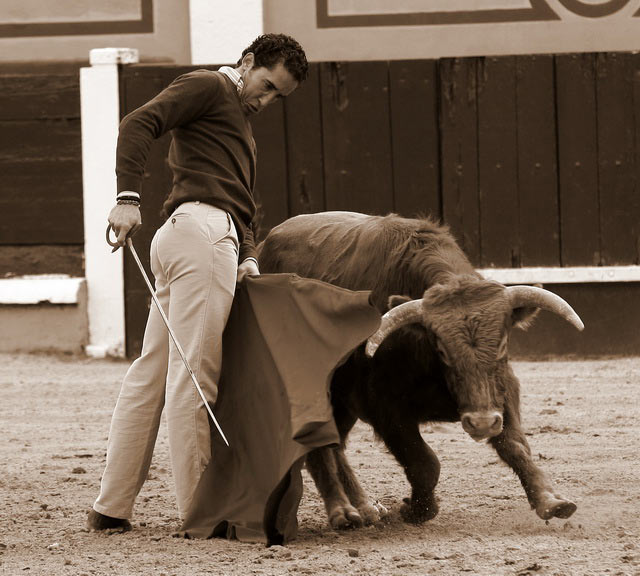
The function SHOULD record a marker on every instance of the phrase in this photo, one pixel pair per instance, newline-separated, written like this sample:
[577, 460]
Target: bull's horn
[406, 313]
[533, 297]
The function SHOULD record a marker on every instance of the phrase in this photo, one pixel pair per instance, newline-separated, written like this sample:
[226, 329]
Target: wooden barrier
[40, 162]
[531, 160]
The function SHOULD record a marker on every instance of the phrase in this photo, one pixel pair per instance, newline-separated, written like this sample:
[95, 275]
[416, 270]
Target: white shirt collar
[233, 75]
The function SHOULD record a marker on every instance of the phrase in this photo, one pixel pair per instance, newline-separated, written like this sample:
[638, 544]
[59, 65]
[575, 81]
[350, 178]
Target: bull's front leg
[512, 446]
[421, 465]
[322, 465]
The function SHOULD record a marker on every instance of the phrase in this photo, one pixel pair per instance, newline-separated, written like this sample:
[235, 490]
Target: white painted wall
[222, 29]
[168, 42]
[619, 31]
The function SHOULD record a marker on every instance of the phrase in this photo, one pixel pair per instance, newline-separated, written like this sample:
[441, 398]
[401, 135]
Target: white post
[100, 117]
[221, 30]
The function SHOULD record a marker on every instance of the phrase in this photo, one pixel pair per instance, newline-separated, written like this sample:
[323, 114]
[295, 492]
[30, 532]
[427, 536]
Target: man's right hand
[125, 219]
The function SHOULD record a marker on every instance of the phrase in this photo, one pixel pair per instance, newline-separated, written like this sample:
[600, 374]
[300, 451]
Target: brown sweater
[212, 153]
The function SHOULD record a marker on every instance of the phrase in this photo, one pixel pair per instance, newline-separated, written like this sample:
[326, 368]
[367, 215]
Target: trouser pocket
[219, 226]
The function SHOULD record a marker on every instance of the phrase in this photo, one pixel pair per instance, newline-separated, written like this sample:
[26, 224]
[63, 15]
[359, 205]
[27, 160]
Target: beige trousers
[194, 258]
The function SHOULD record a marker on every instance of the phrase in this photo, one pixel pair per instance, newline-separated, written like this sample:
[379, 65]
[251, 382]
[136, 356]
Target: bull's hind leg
[323, 467]
[422, 467]
[512, 446]
[345, 418]
[369, 511]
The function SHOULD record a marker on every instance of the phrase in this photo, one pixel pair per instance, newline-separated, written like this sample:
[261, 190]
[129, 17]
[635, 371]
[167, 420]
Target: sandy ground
[583, 420]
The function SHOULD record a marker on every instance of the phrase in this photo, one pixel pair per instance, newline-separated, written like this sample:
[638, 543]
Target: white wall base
[568, 275]
[43, 314]
[44, 288]
[96, 351]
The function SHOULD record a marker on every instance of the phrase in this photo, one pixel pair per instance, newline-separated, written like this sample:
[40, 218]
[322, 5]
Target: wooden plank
[415, 135]
[304, 147]
[356, 137]
[459, 152]
[537, 162]
[141, 82]
[141, 87]
[138, 86]
[26, 97]
[41, 167]
[41, 259]
[619, 195]
[498, 162]
[577, 159]
[137, 302]
[155, 188]
[636, 107]
[271, 191]
[43, 67]
[609, 312]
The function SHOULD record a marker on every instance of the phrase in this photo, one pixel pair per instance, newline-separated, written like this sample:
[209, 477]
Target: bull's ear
[523, 318]
[396, 300]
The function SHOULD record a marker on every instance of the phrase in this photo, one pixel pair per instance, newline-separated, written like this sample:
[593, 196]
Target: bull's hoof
[418, 512]
[552, 506]
[371, 513]
[344, 517]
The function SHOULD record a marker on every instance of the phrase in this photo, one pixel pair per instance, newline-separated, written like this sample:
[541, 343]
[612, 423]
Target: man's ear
[248, 60]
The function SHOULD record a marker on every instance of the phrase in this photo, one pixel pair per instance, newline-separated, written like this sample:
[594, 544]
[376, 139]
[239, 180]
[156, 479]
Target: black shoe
[97, 521]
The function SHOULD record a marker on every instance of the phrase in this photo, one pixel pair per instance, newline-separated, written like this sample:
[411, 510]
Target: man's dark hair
[269, 49]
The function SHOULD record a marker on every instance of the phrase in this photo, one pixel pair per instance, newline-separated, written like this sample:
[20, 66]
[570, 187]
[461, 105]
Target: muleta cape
[285, 337]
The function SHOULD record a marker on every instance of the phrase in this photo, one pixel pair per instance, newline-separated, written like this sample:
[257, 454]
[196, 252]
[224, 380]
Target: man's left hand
[249, 267]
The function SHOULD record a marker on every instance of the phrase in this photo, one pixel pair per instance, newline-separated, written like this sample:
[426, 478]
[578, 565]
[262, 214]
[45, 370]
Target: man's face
[263, 86]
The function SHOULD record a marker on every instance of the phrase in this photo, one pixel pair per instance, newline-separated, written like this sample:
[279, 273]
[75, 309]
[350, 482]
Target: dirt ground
[583, 420]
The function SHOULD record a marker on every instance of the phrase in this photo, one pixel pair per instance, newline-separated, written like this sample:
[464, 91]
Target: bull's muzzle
[482, 425]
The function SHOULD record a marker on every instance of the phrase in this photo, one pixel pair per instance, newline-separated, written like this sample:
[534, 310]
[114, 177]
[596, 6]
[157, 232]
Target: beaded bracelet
[128, 201]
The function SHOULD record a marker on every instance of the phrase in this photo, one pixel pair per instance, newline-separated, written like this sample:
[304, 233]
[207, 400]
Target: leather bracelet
[130, 201]
[128, 194]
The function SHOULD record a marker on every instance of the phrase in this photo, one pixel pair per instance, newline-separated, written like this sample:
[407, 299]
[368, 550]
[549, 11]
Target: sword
[171, 333]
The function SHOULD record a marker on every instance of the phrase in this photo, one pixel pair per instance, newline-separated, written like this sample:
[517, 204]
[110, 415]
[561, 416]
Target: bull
[440, 355]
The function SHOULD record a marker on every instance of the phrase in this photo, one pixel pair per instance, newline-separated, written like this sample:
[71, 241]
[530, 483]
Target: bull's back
[385, 254]
[326, 246]
[348, 249]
